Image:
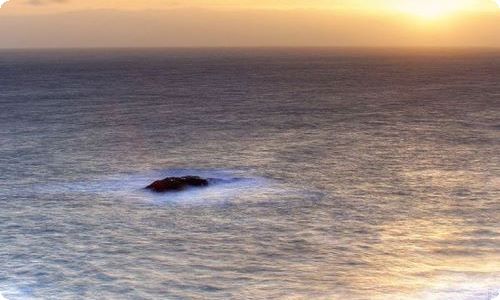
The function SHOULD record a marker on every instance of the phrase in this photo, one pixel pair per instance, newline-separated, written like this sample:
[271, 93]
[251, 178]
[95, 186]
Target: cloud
[33, 2]
[42, 2]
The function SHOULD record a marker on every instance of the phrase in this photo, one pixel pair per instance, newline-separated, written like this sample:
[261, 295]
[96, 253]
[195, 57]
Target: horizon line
[353, 47]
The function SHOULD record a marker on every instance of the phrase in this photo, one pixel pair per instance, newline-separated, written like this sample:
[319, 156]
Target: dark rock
[176, 184]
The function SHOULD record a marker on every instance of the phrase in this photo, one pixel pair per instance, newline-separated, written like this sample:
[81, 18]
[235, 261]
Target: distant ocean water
[367, 174]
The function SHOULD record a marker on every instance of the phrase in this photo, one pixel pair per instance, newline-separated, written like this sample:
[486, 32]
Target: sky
[239, 23]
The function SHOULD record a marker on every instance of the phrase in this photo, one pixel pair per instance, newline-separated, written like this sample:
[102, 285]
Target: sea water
[363, 174]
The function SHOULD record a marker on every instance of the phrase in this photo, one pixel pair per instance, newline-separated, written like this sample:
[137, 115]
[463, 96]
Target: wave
[463, 287]
[497, 297]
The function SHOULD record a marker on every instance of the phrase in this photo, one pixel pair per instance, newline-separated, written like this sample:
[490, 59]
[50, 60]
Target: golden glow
[432, 9]
[240, 23]
[2, 2]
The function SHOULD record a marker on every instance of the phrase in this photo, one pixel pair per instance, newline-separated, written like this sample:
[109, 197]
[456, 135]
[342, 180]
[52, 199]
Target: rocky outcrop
[177, 184]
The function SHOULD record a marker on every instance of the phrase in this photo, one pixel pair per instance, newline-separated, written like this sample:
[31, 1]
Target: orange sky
[145, 23]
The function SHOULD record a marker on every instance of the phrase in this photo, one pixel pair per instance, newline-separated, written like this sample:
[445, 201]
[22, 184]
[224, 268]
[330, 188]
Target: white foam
[222, 192]
[465, 289]
[235, 186]
[497, 297]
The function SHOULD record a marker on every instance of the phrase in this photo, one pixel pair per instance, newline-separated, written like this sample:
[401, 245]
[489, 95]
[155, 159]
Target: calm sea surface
[367, 174]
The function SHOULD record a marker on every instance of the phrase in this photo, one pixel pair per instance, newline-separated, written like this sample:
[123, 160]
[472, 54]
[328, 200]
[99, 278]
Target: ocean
[364, 174]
